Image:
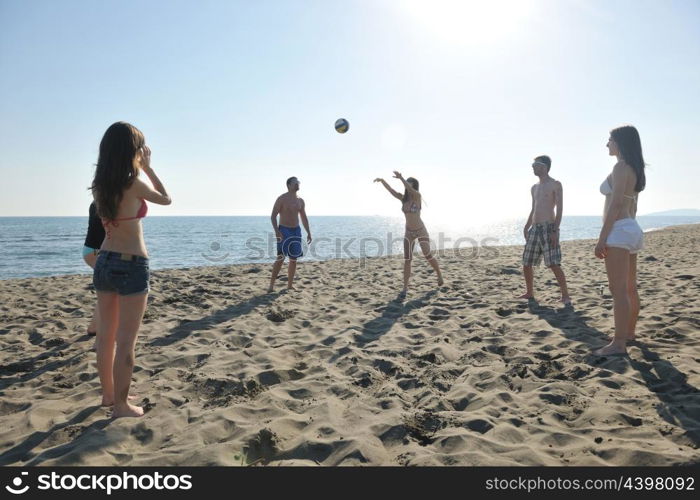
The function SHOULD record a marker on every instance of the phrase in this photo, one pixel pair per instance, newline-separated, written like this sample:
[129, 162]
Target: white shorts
[626, 234]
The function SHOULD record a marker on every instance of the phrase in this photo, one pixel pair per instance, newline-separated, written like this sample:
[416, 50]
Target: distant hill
[685, 212]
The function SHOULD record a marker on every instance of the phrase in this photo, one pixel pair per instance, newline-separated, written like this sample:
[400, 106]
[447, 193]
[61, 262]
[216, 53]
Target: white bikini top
[606, 189]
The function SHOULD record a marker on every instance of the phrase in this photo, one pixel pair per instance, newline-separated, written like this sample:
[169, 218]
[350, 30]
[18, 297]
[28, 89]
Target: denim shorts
[121, 273]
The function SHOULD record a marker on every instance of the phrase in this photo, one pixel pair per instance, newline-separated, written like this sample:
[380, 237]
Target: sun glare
[470, 21]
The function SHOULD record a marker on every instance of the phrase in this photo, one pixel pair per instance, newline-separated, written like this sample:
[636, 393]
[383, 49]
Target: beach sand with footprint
[341, 372]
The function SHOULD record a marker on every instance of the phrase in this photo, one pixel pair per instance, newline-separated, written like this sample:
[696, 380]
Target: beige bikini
[412, 234]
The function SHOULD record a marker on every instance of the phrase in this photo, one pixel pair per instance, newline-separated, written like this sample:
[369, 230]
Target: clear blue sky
[236, 96]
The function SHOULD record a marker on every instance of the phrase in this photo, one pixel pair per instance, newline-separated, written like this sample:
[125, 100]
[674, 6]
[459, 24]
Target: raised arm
[305, 220]
[156, 194]
[389, 188]
[406, 185]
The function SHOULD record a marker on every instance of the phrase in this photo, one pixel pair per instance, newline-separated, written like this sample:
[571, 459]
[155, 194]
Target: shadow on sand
[679, 402]
[242, 308]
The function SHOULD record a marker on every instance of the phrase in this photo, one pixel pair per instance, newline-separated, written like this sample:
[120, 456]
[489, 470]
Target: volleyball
[341, 125]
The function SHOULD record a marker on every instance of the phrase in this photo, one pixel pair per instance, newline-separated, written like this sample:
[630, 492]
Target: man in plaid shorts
[542, 229]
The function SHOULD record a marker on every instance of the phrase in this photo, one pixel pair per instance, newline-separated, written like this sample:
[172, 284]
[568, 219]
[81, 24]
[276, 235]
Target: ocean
[49, 246]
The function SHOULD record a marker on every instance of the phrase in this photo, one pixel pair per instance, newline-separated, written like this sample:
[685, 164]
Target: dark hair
[115, 170]
[289, 181]
[630, 147]
[414, 184]
[546, 160]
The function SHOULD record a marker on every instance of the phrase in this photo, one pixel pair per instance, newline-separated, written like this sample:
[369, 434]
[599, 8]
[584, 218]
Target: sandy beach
[341, 372]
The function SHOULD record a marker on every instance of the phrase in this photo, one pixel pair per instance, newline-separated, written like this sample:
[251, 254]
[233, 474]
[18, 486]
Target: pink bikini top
[143, 210]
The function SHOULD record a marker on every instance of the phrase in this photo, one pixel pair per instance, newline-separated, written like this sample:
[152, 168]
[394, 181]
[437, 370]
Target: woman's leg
[131, 310]
[408, 244]
[108, 307]
[633, 297]
[425, 247]
[90, 259]
[617, 267]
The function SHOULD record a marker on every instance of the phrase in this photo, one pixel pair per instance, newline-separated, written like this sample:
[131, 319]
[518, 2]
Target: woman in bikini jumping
[415, 229]
[121, 275]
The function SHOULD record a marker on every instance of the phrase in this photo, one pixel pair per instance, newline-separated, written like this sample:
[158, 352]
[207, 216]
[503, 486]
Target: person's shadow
[572, 323]
[679, 402]
[242, 308]
[374, 329]
[22, 451]
[27, 369]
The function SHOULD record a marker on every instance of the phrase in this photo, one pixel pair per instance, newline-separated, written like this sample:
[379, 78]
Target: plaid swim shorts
[538, 244]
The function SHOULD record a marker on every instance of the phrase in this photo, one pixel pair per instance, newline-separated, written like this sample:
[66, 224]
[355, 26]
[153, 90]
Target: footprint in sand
[438, 314]
[280, 315]
[143, 434]
[479, 425]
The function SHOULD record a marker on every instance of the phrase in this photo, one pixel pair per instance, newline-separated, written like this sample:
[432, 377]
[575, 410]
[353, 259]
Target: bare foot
[128, 411]
[110, 402]
[291, 288]
[270, 290]
[565, 300]
[628, 339]
[402, 294]
[612, 349]
[526, 296]
[441, 281]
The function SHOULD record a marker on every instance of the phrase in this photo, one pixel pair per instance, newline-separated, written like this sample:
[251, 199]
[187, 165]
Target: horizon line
[333, 215]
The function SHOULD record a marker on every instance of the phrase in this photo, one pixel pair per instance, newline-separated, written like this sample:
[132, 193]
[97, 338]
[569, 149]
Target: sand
[340, 372]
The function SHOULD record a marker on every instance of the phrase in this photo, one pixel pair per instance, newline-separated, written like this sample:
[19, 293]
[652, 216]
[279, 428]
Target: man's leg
[552, 259]
[529, 279]
[291, 270]
[531, 254]
[275, 271]
[561, 279]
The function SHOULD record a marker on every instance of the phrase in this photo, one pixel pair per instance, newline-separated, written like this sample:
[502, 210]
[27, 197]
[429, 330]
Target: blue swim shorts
[290, 245]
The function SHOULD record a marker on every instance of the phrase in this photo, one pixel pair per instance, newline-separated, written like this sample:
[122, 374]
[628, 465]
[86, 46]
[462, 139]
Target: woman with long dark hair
[621, 237]
[121, 275]
[415, 228]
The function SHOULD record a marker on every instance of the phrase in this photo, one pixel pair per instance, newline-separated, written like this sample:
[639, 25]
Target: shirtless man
[542, 229]
[289, 207]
